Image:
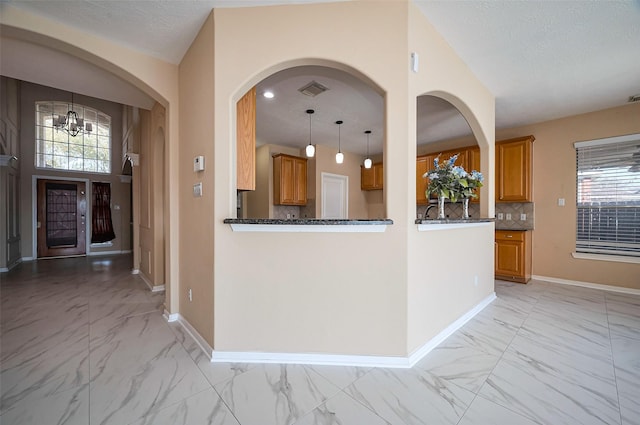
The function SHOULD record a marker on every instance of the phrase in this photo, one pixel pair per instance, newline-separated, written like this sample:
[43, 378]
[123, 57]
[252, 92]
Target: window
[86, 152]
[608, 196]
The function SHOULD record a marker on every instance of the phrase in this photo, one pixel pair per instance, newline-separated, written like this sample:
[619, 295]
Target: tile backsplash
[508, 215]
[280, 212]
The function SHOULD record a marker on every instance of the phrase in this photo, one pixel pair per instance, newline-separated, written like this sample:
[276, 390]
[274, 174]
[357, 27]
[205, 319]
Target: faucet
[426, 211]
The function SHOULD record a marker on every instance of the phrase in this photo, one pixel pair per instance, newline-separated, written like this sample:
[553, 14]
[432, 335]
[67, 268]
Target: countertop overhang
[449, 223]
[315, 225]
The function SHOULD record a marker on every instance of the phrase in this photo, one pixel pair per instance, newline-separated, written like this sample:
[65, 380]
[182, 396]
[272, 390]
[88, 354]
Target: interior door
[335, 196]
[62, 210]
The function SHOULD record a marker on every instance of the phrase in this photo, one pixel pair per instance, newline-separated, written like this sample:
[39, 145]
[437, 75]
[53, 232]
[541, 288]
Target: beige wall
[197, 261]
[120, 192]
[442, 266]
[554, 176]
[340, 293]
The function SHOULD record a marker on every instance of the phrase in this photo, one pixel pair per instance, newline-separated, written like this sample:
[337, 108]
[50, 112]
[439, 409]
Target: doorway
[61, 223]
[335, 196]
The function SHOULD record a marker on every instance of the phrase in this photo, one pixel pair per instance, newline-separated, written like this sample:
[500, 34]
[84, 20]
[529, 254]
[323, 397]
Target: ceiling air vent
[634, 98]
[313, 89]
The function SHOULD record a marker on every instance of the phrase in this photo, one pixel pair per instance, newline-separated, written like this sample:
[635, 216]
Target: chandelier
[71, 123]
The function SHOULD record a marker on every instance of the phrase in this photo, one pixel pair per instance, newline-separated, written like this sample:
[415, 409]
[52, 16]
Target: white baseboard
[145, 279]
[27, 258]
[92, 254]
[599, 286]
[418, 354]
[202, 343]
[331, 359]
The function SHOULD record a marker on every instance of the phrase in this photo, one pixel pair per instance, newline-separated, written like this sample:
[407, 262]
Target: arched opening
[298, 107]
[442, 132]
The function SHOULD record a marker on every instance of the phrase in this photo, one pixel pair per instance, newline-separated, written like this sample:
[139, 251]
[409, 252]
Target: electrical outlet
[500, 216]
[419, 216]
[288, 215]
[508, 216]
[190, 295]
[523, 217]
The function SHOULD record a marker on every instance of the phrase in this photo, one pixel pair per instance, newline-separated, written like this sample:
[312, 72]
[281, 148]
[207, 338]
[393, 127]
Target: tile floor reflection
[82, 341]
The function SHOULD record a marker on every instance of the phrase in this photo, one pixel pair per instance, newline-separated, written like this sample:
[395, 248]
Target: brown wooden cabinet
[473, 163]
[246, 141]
[513, 255]
[372, 178]
[424, 163]
[289, 180]
[513, 170]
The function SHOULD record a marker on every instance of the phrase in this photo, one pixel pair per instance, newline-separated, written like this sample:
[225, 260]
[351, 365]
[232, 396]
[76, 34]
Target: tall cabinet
[513, 170]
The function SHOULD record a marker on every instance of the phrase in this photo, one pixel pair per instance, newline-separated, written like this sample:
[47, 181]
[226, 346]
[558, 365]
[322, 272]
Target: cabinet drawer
[510, 235]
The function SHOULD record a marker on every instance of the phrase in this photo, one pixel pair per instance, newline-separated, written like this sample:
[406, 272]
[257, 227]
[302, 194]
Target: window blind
[608, 196]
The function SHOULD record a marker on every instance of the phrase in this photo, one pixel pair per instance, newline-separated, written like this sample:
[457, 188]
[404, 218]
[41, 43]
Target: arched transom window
[57, 148]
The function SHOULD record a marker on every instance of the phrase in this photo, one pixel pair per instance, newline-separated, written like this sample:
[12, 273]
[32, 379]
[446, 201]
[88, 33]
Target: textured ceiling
[541, 59]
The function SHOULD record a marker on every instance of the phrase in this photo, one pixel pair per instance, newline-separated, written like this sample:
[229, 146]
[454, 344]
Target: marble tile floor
[82, 341]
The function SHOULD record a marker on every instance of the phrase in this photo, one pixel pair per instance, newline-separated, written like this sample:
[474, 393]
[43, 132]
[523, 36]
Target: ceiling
[541, 59]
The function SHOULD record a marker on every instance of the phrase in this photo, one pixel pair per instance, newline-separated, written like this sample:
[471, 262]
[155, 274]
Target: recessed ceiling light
[268, 94]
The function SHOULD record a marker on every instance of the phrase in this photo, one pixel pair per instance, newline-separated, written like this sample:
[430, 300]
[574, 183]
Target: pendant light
[339, 155]
[310, 150]
[367, 161]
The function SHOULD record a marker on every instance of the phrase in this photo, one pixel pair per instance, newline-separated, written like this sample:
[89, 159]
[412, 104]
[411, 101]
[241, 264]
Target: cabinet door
[509, 258]
[378, 176]
[300, 181]
[246, 141]
[473, 163]
[287, 182]
[367, 178]
[513, 171]
[424, 163]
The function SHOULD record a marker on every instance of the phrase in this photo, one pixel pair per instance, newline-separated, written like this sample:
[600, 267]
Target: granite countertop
[307, 221]
[455, 221]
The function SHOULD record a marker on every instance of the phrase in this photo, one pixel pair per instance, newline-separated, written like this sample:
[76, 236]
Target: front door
[62, 209]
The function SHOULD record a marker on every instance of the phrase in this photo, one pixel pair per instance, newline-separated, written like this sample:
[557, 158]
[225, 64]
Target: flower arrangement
[451, 181]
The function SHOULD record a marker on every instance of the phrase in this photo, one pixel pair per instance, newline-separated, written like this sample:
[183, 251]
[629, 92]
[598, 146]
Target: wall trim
[145, 279]
[419, 353]
[330, 359]
[11, 266]
[202, 343]
[591, 285]
[118, 252]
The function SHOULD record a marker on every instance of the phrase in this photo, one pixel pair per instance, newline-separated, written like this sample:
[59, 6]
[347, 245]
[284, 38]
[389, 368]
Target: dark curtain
[101, 225]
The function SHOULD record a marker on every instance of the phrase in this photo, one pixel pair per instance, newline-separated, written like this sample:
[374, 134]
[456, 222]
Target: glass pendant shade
[310, 150]
[367, 162]
[339, 155]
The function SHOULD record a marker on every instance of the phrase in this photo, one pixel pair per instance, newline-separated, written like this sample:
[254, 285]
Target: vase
[465, 208]
[441, 208]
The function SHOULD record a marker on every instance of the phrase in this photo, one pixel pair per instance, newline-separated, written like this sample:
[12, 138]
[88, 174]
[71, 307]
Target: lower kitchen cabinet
[513, 255]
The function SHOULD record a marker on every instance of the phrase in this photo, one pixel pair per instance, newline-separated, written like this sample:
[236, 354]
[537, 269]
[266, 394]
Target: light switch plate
[523, 217]
[500, 216]
[198, 163]
[508, 216]
[197, 190]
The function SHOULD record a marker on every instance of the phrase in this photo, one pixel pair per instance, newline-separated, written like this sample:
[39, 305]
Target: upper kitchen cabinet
[246, 141]
[424, 163]
[513, 169]
[372, 178]
[289, 180]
